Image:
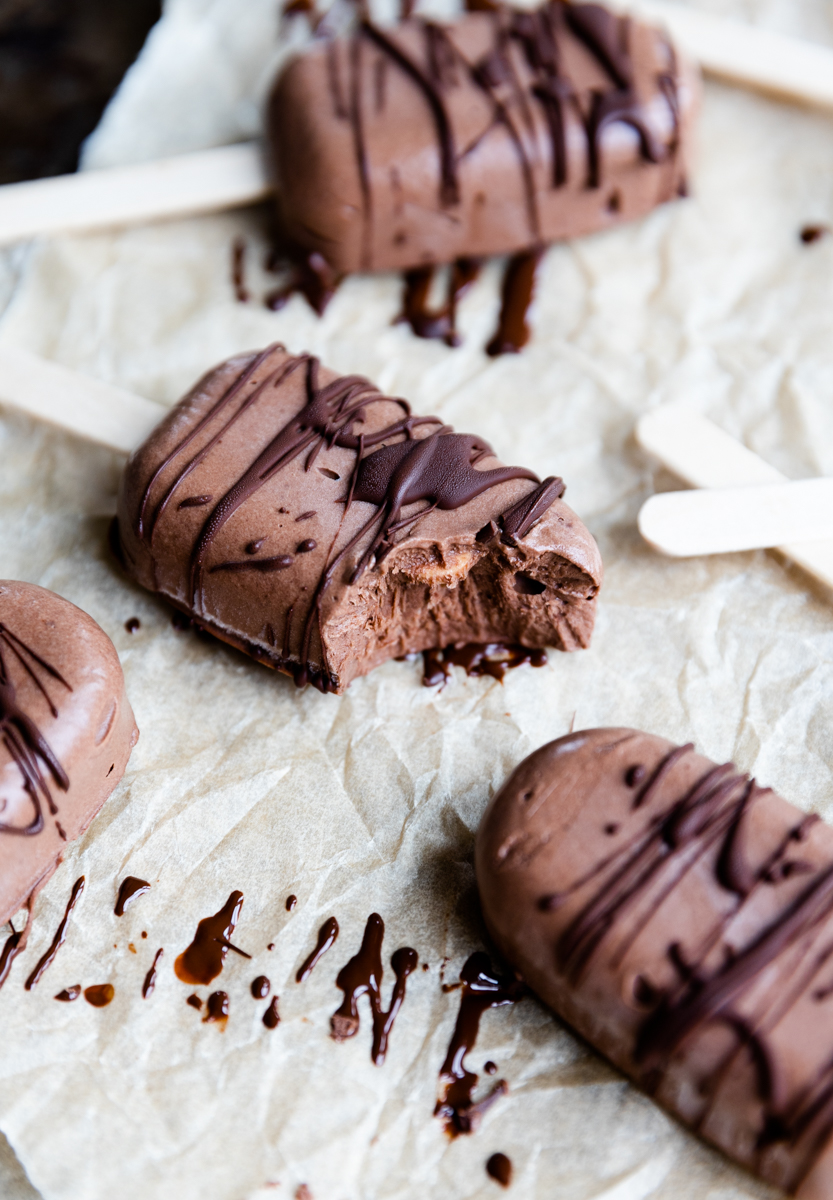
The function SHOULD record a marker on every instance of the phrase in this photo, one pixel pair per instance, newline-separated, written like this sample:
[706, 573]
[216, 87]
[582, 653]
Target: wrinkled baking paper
[370, 801]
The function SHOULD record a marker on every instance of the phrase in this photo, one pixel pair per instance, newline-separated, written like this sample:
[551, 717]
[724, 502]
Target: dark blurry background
[60, 61]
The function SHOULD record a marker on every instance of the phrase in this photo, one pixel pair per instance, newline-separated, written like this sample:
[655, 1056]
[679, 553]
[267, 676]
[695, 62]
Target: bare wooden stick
[78, 403]
[211, 180]
[745, 54]
[724, 520]
[705, 457]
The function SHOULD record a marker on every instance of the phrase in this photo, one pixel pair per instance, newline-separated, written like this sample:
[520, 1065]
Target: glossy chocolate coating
[680, 917]
[322, 528]
[430, 142]
[66, 732]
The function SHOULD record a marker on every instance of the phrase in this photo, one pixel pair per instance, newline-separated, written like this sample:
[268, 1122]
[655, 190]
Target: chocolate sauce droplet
[46, 960]
[130, 890]
[499, 1168]
[272, 1018]
[69, 994]
[253, 547]
[194, 1001]
[100, 994]
[132, 624]
[218, 1008]
[490, 1068]
[150, 978]
[813, 233]
[483, 988]
[238, 270]
[327, 934]
[291, 901]
[260, 987]
[362, 976]
[306, 546]
[203, 960]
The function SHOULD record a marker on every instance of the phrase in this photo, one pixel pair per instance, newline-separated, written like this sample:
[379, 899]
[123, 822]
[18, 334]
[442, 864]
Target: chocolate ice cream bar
[680, 917]
[504, 130]
[322, 528]
[66, 732]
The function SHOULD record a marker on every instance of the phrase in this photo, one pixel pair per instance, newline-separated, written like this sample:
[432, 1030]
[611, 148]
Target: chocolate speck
[306, 546]
[194, 1001]
[132, 624]
[70, 993]
[253, 547]
[813, 233]
[499, 1168]
[291, 901]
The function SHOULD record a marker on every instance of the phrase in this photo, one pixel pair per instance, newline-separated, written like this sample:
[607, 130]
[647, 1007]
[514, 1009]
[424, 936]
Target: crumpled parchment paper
[370, 801]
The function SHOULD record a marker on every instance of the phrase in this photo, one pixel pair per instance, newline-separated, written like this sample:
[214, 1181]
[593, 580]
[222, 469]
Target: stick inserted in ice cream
[323, 528]
[66, 732]
[680, 917]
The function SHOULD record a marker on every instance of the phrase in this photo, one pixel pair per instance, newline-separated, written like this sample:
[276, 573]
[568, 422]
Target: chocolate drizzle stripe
[22, 738]
[46, 960]
[327, 935]
[203, 960]
[131, 889]
[150, 979]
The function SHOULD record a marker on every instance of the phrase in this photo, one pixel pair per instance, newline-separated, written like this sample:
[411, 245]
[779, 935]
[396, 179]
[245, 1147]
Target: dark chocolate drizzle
[46, 959]
[478, 658]
[291, 901]
[99, 995]
[150, 979]
[741, 993]
[499, 1168]
[483, 988]
[15, 943]
[217, 1009]
[260, 987]
[69, 994]
[440, 323]
[438, 470]
[130, 890]
[203, 960]
[20, 735]
[327, 935]
[271, 1017]
[362, 976]
[310, 275]
[513, 333]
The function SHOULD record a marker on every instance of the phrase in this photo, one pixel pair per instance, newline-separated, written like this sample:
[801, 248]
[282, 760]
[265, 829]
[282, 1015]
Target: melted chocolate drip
[203, 960]
[100, 994]
[438, 469]
[218, 1008]
[478, 658]
[499, 1168]
[261, 987]
[46, 960]
[20, 735]
[150, 979]
[69, 994]
[291, 901]
[512, 333]
[14, 944]
[272, 1018]
[438, 323]
[130, 890]
[362, 976]
[482, 989]
[312, 276]
[238, 270]
[327, 934]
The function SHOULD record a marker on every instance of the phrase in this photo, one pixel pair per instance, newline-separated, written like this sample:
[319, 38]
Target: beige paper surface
[370, 801]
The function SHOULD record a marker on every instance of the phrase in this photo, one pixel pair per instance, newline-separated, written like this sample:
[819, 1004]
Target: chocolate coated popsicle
[680, 917]
[319, 526]
[506, 129]
[66, 732]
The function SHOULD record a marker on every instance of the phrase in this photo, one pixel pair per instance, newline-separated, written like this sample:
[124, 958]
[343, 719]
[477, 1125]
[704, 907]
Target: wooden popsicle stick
[705, 457]
[744, 54]
[77, 403]
[208, 181]
[725, 520]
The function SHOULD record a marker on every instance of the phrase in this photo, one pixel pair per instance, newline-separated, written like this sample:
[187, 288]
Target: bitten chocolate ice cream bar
[506, 129]
[66, 732]
[680, 917]
[321, 527]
